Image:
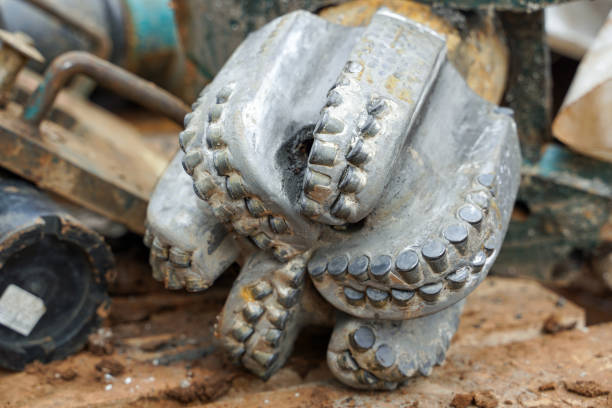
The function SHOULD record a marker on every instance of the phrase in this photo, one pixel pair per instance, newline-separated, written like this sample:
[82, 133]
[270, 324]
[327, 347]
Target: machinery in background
[562, 219]
[53, 279]
[358, 156]
[54, 270]
[138, 35]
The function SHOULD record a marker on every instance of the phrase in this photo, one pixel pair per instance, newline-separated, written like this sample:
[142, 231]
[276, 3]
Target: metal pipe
[15, 52]
[109, 76]
[79, 23]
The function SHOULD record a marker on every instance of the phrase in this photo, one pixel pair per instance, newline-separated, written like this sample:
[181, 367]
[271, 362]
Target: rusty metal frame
[110, 76]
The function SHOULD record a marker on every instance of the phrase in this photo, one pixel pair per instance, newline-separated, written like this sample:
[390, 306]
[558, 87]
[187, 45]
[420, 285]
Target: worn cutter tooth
[378, 354]
[264, 318]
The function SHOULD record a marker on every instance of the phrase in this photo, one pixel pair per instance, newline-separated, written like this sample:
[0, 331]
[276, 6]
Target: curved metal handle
[110, 76]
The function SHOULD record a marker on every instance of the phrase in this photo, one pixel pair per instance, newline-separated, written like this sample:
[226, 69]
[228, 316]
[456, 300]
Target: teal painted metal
[564, 204]
[577, 171]
[153, 26]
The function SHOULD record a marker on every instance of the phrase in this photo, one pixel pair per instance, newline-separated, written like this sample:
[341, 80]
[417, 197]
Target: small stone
[461, 400]
[485, 399]
[110, 366]
[588, 389]
[547, 387]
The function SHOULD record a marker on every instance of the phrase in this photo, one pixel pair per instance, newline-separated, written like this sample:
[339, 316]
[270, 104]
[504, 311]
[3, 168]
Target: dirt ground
[518, 345]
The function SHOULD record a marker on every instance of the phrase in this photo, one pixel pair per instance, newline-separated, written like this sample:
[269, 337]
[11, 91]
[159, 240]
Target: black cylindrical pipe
[53, 278]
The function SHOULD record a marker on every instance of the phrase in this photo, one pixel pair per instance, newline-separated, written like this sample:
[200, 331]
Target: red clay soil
[157, 351]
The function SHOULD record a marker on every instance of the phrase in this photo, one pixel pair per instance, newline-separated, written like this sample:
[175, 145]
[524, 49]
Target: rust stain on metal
[110, 76]
[103, 311]
[479, 54]
[246, 295]
[320, 192]
[14, 54]
[394, 85]
[89, 156]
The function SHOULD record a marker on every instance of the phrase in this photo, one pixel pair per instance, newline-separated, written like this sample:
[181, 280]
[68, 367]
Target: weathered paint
[564, 208]
[529, 90]
[153, 27]
[83, 154]
[112, 77]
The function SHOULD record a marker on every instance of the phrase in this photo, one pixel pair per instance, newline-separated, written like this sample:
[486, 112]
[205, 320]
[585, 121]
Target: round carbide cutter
[353, 156]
